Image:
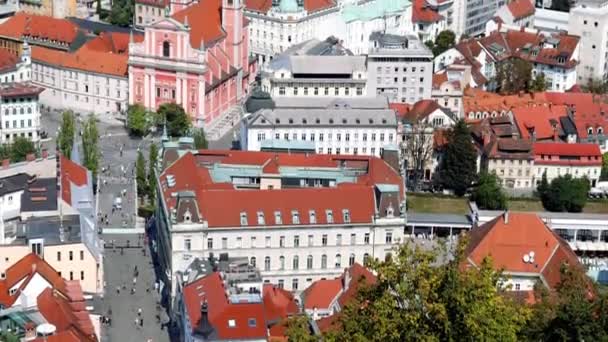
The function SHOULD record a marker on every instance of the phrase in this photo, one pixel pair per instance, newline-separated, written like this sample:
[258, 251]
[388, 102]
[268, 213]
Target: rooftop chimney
[204, 327]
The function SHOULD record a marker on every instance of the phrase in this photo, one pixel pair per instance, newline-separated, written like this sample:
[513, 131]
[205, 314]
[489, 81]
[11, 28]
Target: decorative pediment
[169, 23]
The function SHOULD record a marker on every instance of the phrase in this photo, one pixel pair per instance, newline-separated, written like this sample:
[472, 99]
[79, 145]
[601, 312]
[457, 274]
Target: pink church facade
[197, 57]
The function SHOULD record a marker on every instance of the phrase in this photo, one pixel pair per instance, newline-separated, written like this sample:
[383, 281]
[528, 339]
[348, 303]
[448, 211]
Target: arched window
[296, 262]
[309, 262]
[590, 130]
[338, 260]
[267, 263]
[166, 49]
[281, 262]
[323, 261]
[252, 261]
[600, 130]
[351, 260]
[365, 259]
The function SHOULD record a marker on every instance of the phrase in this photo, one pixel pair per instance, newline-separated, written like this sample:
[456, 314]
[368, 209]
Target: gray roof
[40, 195]
[385, 44]
[379, 102]
[414, 218]
[48, 228]
[314, 47]
[327, 64]
[13, 183]
[340, 117]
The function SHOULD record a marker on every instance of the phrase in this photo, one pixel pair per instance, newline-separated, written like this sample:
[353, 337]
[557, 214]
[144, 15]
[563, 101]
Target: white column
[147, 99]
[131, 89]
[153, 90]
[178, 89]
[185, 92]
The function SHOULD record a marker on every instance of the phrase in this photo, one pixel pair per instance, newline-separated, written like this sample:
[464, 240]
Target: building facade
[589, 20]
[361, 127]
[323, 213]
[52, 8]
[19, 112]
[198, 58]
[470, 17]
[577, 160]
[399, 68]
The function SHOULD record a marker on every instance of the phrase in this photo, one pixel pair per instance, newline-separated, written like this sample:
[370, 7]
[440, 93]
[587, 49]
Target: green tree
[200, 140]
[458, 167]
[489, 194]
[513, 75]
[140, 175]
[5, 152]
[137, 120]
[20, 148]
[604, 174]
[178, 122]
[152, 161]
[90, 138]
[574, 313]
[539, 83]
[65, 140]
[416, 298]
[121, 13]
[298, 329]
[565, 194]
[445, 40]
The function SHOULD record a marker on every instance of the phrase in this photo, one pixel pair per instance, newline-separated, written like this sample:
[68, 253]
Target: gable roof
[8, 61]
[278, 303]
[521, 8]
[423, 13]
[204, 20]
[421, 110]
[71, 173]
[590, 110]
[508, 237]
[39, 26]
[210, 289]
[544, 121]
[85, 59]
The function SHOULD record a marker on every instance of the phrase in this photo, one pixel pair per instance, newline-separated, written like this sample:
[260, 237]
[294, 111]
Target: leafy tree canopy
[178, 122]
[140, 175]
[137, 120]
[513, 75]
[604, 174]
[459, 164]
[564, 193]
[90, 137]
[20, 148]
[65, 140]
[489, 194]
[121, 13]
[444, 41]
[539, 83]
[200, 140]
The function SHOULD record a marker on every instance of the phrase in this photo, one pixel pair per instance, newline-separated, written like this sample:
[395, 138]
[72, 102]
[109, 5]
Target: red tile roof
[261, 6]
[8, 61]
[23, 24]
[318, 5]
[223, 208]
[20, 89]
[590, 110]
[400, 109]
[71, 173]
[539, 120]
[507, 241]
[205, 20]
[439, 79]
[114, 42]
[25, 269]
[322, 293]
[357, 276]
[521, 8]
[84, 59]
[211, 289]
[578, 154]
[278, 303]
[423, 13]
[421, 110]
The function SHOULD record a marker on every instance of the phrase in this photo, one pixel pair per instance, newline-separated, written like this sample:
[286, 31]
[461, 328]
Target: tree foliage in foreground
[140, 175]
[65, 140]
[564, 193]
[458, 168]
[18, 150]
[152, 161]
[90, 138]
[604, 174]
[178, 122]
[200, 140]
[137, 120]
[513, 75]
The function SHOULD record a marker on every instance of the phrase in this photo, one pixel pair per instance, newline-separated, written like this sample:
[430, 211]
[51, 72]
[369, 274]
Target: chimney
[555, 134]
[505, 215]
[30, 157]
[204, 327]
[6, 163]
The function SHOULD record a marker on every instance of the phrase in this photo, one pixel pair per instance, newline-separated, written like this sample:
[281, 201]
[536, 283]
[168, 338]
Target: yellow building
[53, 8]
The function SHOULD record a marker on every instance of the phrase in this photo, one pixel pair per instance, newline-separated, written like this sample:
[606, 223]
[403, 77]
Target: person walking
[117, 290]
[139, 312]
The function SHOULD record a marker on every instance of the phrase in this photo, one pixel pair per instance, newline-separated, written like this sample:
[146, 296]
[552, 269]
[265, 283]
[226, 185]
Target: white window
[282, 241]
[243, 219]
[209, 243]
[310, 240]
[324, 240]
[224, 243]
[268, 242]
[281, 263]
[351, 260]
[261, 220]
[330, 216]
[389, 237]
[267, 263]
[338, 239]
[313, 217]
[323, 261]
[277, 217]
[188, 244]
[239, 242]
[346, 215]
[309, 262]
[338, 260]
[295, 217]
[366, 238]
[296, 241]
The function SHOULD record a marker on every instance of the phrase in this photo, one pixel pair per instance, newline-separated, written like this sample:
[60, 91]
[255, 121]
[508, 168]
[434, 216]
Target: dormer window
[390, 212]
[295, 217]
[243, 218]
[277, 217]
[261, 220]
[344, 121]
[346, 215]
[384, 121]
[371, 121]
[304, 121]
[330, 216]
[318, 121]
[277, 121]
[313, 216]
[331, 121]
[600, 130]
[290, 121]
[590, 130]
[187, 217]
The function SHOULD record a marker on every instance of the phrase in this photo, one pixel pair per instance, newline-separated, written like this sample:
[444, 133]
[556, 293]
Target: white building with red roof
[559, 159]
[430, 17]
[524, 248]
[518, 13]
[33, 294]
[297, 217]
[589, 19]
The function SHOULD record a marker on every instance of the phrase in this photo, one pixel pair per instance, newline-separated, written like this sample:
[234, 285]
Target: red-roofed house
[448, 88]
[326, 298]
[201, 61]
[38, 293]
[522, 246]
[329, 201]
[426, 20]
[519, 13]
[558, 159]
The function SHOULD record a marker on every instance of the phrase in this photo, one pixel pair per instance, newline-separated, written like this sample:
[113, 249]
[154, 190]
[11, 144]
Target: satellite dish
[531, 254]
[45, 329]
[526, 258]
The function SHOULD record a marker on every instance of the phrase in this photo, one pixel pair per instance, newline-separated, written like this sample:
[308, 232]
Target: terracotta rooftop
[322, 293]
[278, 303]
[38, 26]
[8, 61]
[423, 13]
[71, 173]
[84, 59]
[569, 150]
[543, 122]
[112, 42]
[205, 21]
[590, 110]
[230, 321]
[20, 89]
[509, 237]
[421, 109]
[521, 8]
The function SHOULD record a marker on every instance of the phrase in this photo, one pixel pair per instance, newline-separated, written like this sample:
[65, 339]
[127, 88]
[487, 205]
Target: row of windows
[15, 99]
[388, 239]
[396, 69]
[7, 111]
[338, 137]
[295, 262]
[331, 121]
[315, 91]
[70, 255]
[295, 217]
[22, 122]
[15, 135]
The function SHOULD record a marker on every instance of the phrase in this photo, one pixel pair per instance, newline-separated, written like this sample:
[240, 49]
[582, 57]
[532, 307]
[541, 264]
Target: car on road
[117, 203]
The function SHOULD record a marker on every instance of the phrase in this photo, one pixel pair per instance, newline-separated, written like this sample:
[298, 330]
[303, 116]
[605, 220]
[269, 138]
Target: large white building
[19, 112]
[363, 126]
[274, 26]
[589, 20]
[399, 68]
[297, 217]
[471, 16]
